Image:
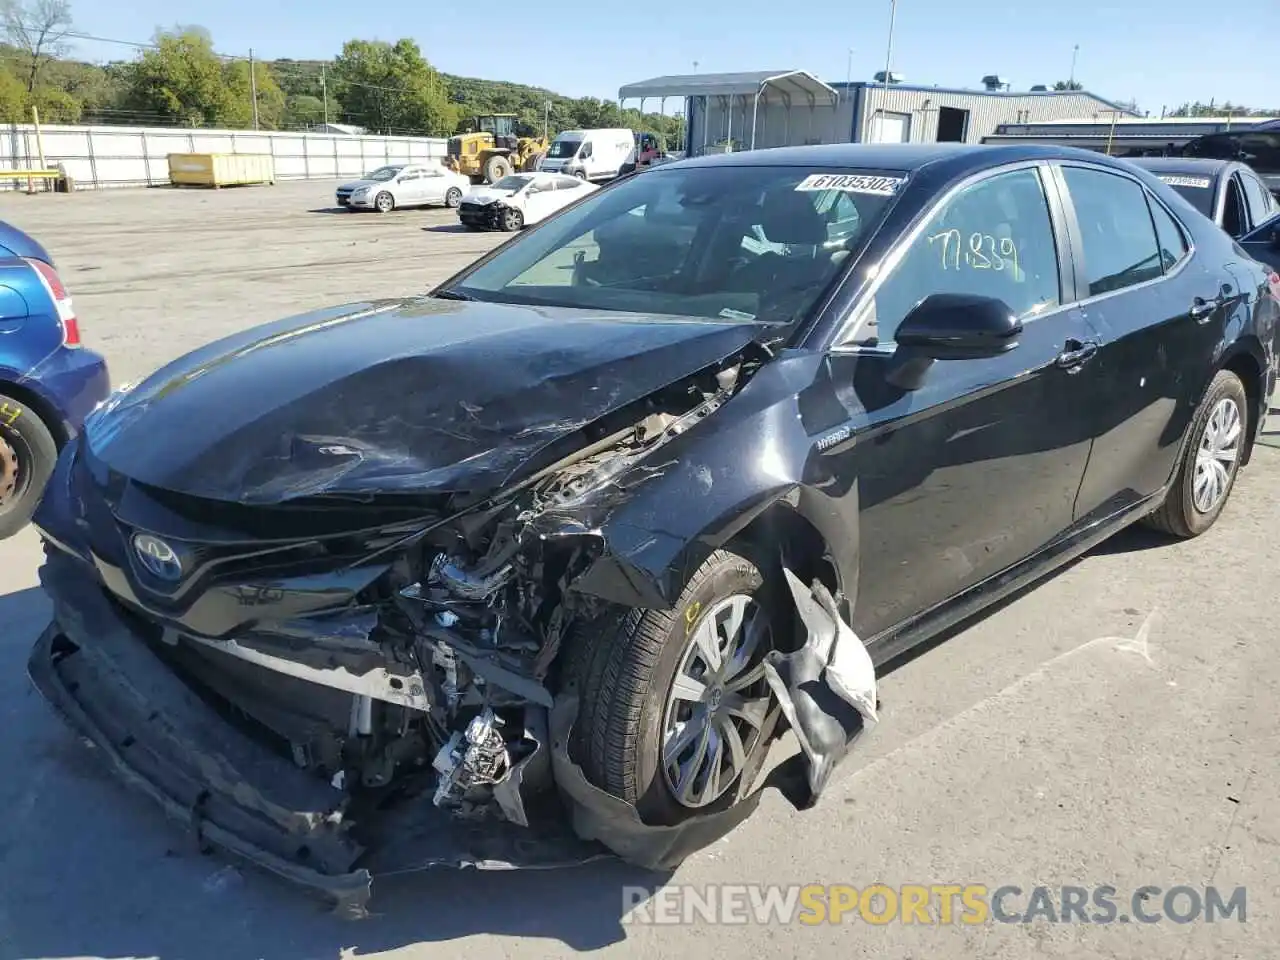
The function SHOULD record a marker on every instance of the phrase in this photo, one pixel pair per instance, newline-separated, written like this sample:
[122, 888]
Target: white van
[590, 154]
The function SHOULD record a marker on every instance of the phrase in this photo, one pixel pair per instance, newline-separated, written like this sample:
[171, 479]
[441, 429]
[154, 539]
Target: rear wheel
[384, 202]
[1210, 460]
[453, 197]
[674, 706]
[28, 453]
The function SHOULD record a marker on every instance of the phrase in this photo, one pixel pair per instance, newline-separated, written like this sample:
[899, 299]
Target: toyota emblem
[157, 557]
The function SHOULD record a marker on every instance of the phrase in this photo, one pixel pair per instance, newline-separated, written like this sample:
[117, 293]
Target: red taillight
[62, 300]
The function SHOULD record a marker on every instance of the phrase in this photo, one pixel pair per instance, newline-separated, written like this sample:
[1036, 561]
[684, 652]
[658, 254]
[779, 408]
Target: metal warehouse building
[1126, 136]
[773, 108]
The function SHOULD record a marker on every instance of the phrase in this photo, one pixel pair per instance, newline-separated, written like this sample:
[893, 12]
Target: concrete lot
[1116, 726]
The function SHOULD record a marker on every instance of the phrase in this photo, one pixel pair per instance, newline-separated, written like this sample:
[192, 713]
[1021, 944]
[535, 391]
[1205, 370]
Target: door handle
[1077, 353]
[1202, 309]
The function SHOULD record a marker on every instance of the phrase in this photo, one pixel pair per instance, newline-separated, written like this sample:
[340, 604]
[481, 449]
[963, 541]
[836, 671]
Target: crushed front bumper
[229, 790]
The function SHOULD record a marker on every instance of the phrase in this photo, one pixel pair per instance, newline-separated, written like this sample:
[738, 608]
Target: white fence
[97, 157]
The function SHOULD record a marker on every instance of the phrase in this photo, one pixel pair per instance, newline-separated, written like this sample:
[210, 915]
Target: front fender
[659, 521]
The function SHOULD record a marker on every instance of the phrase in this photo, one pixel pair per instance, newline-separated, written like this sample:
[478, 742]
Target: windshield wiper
[452, 295]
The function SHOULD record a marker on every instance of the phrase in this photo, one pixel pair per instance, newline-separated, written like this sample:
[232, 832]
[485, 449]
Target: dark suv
[1258, 146]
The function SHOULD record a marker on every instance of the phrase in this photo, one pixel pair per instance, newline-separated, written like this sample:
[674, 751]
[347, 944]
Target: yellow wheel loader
[492, 149]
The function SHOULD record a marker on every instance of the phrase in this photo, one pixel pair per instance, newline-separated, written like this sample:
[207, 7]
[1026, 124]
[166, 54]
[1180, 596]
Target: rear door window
[1258, 197]
[1116, 230]
[1173, 242]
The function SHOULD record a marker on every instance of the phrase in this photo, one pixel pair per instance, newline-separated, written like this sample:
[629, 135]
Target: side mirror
[958, 326]
[950, 326]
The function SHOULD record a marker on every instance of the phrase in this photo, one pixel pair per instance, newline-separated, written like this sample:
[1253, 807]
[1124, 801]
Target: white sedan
[520, 199]
[404, 185]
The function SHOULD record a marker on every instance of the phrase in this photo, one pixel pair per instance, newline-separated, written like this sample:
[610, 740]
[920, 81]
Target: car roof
[1188, 165]
[906, 157]
[16, 243]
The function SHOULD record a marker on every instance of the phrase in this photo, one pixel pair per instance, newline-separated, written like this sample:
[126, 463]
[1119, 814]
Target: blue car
[48, 382]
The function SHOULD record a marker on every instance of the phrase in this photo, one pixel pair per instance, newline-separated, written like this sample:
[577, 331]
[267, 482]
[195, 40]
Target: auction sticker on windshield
[852, 183]
[1202, 182]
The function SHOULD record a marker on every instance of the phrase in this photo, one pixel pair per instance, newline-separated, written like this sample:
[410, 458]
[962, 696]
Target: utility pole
[546, 120]
[888, 62]
[324, 94]
[1071, 79]
[253, 89]
[848, 73]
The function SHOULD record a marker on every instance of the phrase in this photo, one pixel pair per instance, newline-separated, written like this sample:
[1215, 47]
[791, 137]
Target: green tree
[182, 78]
[55, 106]
[392, 88]
[37, 28]
[13, 98]
[302, 110]
[238, 108]
[1068, 85]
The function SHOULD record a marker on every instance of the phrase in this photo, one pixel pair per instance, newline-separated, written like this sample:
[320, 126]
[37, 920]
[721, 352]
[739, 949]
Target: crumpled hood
[403, 396]
[486, 195]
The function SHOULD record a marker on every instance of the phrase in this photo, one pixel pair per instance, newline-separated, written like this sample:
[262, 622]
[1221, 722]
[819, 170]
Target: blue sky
[1160, 53]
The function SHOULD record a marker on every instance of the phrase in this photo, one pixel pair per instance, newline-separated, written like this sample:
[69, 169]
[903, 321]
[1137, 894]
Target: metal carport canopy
[760, 85]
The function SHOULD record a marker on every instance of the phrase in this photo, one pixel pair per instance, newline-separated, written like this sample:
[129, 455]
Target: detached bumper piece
[232, 792]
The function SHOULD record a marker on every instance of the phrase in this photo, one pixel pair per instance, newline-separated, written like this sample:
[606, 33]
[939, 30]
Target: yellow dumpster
[221, 169]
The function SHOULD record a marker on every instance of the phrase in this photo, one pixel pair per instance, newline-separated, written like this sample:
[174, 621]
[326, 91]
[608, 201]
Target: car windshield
[563, 149]
[511, 183]
[383, 173]
[728, 242]
[1195, 189]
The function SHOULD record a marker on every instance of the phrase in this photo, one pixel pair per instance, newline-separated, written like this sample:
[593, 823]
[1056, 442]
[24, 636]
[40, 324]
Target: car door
[566, 191]
[539, 199]
[977, 468]
[407, 187]
[432, 184]
[1160, 309]
[1263, 243]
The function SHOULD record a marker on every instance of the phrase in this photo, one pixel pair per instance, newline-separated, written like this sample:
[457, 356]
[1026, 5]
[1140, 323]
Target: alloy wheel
[10, 474]
[718, 703]
[1217, 455]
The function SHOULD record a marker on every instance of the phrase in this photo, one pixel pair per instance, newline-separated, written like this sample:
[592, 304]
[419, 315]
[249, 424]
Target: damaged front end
[338, 706]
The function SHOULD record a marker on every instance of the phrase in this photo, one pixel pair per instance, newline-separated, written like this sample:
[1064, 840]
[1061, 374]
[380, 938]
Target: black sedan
[1230, 194]
[536, 567]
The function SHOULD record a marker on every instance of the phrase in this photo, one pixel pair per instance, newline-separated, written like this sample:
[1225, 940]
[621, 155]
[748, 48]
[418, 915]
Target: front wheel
[453, 197]
[512, 220]
[1210, 460]
[674, 708]
[384, 202]
[28, 453]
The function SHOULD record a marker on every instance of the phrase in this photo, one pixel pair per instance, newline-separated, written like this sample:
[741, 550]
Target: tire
[495, 168]
[624, 668]
[452, 197]
[512, 220]
[28, 453]
[580, 174]
[1189, 509]
[384, 202]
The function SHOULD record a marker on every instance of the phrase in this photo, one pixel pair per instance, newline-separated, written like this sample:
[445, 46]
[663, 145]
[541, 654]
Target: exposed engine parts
[472, 758]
